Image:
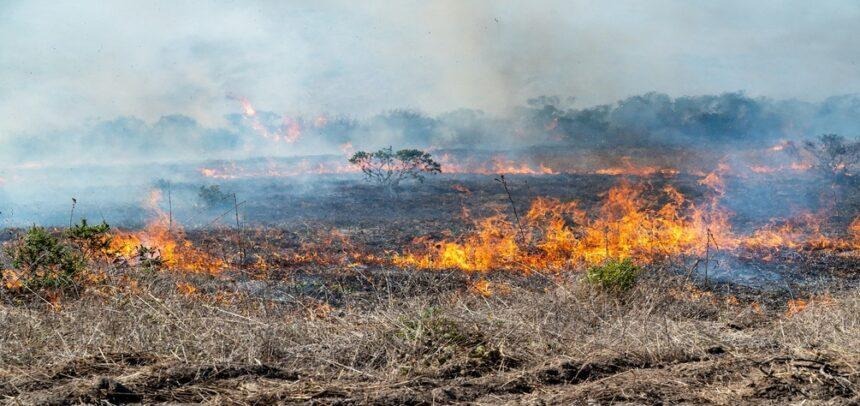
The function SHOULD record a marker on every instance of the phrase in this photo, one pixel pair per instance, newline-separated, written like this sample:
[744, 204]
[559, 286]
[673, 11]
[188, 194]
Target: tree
[388, 168]
[836, 157]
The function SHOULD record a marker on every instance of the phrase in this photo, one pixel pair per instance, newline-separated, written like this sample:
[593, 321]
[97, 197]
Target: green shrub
[613, 275]
[43, 261]
[90, 240]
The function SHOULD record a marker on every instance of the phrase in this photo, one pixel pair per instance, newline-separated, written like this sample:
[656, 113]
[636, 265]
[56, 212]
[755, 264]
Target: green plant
[44, 261]
[613, 275]
[91, 240]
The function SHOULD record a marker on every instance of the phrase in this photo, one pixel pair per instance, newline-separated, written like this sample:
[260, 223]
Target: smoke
[65, 64]
[95, 94]
[730, 120]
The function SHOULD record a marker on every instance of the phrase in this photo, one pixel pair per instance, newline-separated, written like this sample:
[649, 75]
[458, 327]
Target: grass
[395, 327]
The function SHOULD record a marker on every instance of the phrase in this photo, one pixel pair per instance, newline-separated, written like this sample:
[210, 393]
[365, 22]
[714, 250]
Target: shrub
[388, 168]
[613, 275]
[42, 261]
[90, 240]
[835, 156]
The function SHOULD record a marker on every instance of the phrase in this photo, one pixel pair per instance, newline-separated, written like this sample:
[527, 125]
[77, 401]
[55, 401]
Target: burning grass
[325, 312]
[164, 242]
[557, 235]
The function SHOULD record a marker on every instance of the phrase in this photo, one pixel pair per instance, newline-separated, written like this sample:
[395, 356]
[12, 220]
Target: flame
[482, 287]
[793, 167]
[170, 245]
[795, 306]
[628, 168]
[289, 132]
[346, 148]
[780, 146]
[320, 121]
[498, 164]
[273, 170]
[559, 235]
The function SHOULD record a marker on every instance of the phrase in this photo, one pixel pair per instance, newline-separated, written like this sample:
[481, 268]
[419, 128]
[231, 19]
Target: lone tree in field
[835, 156]
[388, 168]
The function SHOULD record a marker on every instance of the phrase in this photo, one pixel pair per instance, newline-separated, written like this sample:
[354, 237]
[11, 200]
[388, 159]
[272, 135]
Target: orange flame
[558, 235]
[171, 247]
[289, 132]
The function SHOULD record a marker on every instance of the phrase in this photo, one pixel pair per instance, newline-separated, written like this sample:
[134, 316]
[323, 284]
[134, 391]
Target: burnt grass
[308, 311]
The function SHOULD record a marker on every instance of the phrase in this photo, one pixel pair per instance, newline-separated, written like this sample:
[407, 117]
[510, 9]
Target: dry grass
[379, 336]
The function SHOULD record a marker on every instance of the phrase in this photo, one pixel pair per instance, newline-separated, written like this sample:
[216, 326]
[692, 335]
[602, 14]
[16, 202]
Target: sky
[64, 64]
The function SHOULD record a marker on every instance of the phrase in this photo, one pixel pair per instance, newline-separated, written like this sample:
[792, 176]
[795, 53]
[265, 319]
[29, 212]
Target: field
[335, 292]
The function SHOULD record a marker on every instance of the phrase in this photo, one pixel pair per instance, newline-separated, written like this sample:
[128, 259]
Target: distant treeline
[652, 119]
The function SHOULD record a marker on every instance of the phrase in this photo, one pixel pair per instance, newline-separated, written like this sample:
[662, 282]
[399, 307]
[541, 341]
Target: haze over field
[163, 81]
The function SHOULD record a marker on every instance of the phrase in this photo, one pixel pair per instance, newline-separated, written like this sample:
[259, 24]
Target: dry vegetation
[319, 312]
[391, 337]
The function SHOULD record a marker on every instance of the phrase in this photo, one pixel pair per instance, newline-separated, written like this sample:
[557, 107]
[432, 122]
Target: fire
[795, 306]
[496, 165]
[628, 168]
[276, 170]
[779, 147]
[167, 243]
[482, 287]
[289, 132]
[793, 166]
[346, 148]
[320, 121]
[558, 235]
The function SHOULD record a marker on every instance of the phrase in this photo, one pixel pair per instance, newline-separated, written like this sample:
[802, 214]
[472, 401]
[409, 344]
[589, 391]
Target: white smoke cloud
[67, 63]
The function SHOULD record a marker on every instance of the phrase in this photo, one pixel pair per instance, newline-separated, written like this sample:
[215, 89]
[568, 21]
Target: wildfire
[559, 235]
[274, 170]
[346, 148]
[164, 242]
[290, 130]
[496, 165]
[794, 167]
[628, 168]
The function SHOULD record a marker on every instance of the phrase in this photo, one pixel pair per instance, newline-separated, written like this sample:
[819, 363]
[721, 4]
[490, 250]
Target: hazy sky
[66, 63]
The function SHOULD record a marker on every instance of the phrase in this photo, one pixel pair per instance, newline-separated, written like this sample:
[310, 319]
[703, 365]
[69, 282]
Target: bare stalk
[238, 228]
[501, 179]
[72, 212]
